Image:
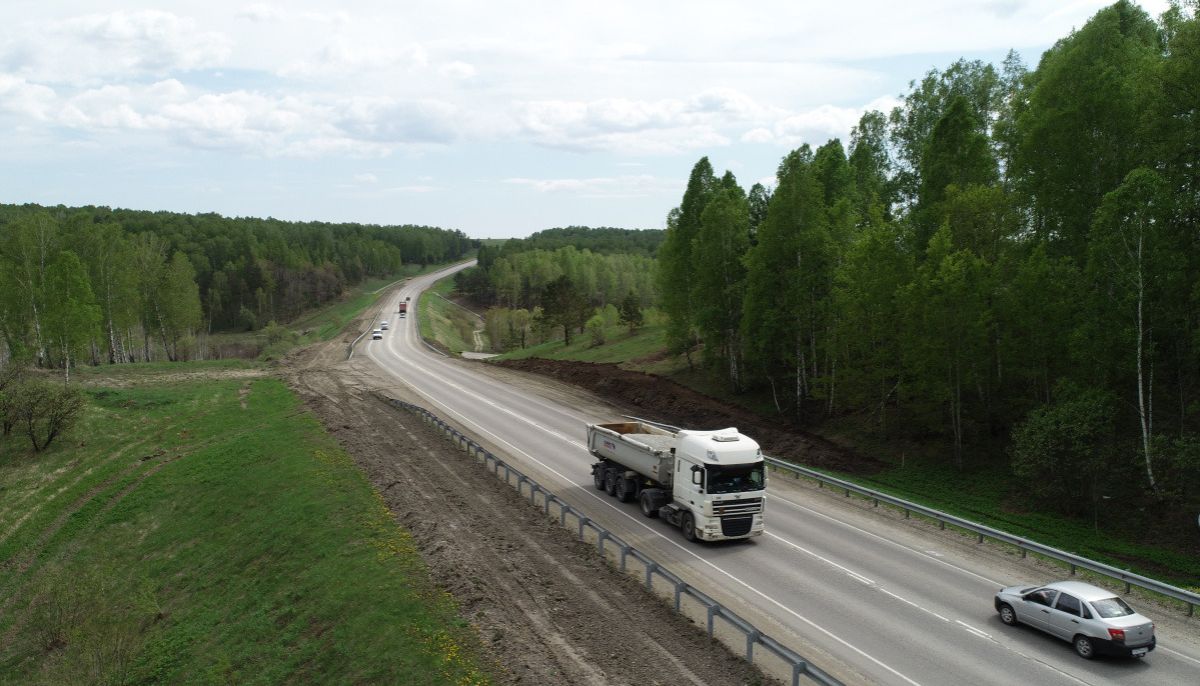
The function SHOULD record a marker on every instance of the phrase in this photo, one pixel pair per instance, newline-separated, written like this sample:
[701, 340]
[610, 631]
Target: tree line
[556, 281]
[1007, 261]
[104, 285]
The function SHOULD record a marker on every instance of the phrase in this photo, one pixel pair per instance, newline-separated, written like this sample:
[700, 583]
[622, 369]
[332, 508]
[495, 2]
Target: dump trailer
[711, 484]
[403, 310]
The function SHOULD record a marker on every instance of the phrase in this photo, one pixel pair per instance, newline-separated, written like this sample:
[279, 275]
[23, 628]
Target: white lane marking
[849, 572]
[1189, 658]
[465, 391]
[680, 548]
[860, 530]
[919, 607]
[978, 632]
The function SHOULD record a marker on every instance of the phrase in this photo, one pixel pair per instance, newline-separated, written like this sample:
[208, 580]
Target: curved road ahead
[864, 597]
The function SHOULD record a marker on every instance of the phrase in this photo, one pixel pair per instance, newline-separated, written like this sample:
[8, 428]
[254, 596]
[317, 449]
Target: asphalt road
[865, 597]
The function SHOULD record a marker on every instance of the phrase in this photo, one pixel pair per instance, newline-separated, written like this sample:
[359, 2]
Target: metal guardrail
[713, 609]
[1023, 544]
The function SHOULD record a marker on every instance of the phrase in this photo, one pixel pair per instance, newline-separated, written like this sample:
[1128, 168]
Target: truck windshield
[736, 478]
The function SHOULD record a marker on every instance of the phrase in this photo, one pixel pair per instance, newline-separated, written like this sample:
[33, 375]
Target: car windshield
[1112, 607]
[732, 479]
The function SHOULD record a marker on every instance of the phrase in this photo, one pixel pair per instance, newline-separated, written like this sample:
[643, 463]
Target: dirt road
[548, 608]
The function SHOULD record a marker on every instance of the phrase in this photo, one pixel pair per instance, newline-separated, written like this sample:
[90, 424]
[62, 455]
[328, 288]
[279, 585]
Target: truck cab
[711, 484]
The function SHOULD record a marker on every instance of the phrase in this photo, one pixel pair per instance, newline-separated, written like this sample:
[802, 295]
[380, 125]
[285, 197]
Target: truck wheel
[688, 525]
[626, 488]
[598, 477]
[649, 507]
[610, 481]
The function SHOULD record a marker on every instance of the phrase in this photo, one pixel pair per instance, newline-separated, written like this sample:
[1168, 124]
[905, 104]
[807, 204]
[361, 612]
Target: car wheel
[688, 526]
[1085, 648]
[1007, 615]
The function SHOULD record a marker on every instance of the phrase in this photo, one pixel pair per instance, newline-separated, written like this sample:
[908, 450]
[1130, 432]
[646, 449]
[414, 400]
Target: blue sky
[496, 118]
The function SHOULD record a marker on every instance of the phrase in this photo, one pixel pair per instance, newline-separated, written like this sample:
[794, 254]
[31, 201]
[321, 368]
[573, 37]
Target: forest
[99, 285]
[558, 279]
[1006, 264]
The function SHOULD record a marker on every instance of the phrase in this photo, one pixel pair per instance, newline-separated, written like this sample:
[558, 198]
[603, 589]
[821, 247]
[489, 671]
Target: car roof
[1081, 590]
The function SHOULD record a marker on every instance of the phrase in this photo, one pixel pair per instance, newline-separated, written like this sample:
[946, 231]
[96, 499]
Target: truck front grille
[736, 526]
[743, 506]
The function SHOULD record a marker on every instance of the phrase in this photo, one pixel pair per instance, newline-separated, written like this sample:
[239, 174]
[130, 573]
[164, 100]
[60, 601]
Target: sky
[496, 118]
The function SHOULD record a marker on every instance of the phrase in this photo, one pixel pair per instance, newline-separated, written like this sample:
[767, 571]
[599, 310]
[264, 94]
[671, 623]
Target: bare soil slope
[550, 609]
[672, 403]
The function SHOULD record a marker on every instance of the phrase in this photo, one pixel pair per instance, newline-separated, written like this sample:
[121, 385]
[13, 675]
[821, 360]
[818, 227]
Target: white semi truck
[711, 484]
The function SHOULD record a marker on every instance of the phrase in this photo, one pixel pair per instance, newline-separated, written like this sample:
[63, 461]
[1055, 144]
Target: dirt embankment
[548, 609]
[672, 403]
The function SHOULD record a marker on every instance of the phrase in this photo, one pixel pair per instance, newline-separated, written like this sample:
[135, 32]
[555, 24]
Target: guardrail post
[624, 553]
[751, 638]
[680, 587]
[583, 521]
[1072, 567]
[600, 536]
[712, 611]
[533, 489]
[650, 570]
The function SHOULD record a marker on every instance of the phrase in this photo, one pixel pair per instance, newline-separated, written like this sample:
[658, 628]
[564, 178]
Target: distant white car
[376, 334]
[383, 325]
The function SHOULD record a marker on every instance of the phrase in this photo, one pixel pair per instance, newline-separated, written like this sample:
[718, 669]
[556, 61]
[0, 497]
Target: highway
[863, 596]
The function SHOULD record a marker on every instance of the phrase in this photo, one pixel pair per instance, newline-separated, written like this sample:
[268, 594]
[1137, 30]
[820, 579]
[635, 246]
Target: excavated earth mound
[673, 403]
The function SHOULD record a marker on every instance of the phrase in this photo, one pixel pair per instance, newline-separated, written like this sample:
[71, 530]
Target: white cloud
[247, 122]
[83, 49]
[23, 98]
[366, 178]
[415, 188]
[341, 57]
[457, 70]
[601, 187]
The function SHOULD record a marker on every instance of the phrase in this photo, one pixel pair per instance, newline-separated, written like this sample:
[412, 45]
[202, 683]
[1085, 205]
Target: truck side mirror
[697, 475]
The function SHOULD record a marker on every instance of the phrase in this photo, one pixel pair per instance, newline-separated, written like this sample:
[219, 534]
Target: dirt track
[546, 606]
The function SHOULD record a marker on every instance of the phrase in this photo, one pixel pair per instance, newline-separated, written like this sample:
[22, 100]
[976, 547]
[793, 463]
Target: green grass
[327, 322]
[444, 321]
[175, 536]
[621, 346]
[981, 496]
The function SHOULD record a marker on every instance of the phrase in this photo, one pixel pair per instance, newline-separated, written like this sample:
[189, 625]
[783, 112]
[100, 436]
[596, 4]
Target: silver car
[1094, 620]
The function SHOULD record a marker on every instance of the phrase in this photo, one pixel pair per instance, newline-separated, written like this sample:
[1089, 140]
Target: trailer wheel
[688, 525]
[626, 488]
[649, 506]
[610, 481]
[598, 476]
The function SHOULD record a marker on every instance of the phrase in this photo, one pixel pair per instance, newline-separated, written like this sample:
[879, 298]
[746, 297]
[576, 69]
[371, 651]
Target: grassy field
[209, 531]
[641, 350]
[444, 321]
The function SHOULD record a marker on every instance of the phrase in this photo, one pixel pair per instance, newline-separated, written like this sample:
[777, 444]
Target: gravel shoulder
[546, 606]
